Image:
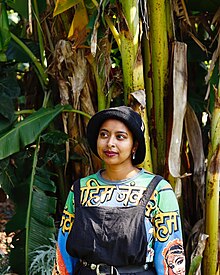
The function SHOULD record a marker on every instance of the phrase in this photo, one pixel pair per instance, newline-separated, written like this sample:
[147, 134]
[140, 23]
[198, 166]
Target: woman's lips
[110, 153]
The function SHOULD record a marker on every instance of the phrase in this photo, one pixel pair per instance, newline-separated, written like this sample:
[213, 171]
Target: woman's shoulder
[146, 177]
[90, 179]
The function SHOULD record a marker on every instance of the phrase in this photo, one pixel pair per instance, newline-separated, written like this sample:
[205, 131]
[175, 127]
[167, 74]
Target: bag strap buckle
[107, 270]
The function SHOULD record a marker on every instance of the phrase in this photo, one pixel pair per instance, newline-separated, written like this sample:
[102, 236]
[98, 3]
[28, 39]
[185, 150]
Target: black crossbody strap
[150, 189]
[76, 188]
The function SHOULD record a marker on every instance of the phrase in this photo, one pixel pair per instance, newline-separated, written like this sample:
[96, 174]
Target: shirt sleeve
[65, 264]
[169, 255]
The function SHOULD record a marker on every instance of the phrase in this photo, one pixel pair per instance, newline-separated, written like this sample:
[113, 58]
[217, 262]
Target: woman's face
[177, 264]
[115, 143]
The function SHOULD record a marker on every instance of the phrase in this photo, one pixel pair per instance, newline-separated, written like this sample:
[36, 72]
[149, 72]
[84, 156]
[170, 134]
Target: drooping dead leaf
[69, 67]
[95, 31]
[137, 101]
[140, 97]
[179, 106]
[215, 55]
[181, 11]
[194, 137]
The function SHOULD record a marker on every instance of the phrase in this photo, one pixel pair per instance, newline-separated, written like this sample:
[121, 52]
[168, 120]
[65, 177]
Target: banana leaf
[4, 32]
[21, 6]
[27, 131]
[32, 223]
[62, 6]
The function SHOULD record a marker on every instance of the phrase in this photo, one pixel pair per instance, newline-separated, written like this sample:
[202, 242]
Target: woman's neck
[119, 173]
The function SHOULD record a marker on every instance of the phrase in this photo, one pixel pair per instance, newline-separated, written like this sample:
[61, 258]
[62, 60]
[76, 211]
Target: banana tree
[30, 190]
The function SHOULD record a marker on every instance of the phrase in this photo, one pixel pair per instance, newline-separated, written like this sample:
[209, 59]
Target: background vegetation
[60, 62]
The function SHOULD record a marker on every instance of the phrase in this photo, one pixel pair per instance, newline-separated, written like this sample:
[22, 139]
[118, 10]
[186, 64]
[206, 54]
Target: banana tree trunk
[127, 40]
[132, 63]
[212, 193]
[129, 44]
[156, 78]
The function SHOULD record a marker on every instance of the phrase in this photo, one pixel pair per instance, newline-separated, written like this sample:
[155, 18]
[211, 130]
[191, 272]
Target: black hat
[129, 117]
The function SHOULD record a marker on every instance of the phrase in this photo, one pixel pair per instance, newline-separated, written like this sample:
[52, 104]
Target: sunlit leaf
[63, 5]
[78, 28]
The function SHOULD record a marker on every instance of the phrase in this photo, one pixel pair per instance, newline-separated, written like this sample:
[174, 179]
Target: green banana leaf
[27, 131]
[33, 223]
[4, 32]
[21, 6]
[32, 191]
[195, 264]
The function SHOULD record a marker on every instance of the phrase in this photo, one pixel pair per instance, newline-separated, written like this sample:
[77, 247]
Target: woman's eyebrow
[117, 132]
[103, 129]
[121, 132]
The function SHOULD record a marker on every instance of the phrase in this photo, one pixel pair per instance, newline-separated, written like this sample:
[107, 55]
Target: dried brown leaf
[194, 137]
[181, 11]
[179, 106]
[140, 96]
[198, 42]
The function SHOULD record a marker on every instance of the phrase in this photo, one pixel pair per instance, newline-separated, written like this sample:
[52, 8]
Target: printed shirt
[162, 223]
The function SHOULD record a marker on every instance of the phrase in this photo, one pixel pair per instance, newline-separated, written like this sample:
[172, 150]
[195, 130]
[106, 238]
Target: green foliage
[4, 268]
[15, 52]
[27, 131]
[195, 264]
[35, 203]
[21, 6]
[55, 152]
[62, 6]
[43, 259]
[9, 91]
[5, 35]
[32, 190]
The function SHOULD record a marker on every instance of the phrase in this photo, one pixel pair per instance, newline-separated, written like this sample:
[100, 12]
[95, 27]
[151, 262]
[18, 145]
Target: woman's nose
[111, 141]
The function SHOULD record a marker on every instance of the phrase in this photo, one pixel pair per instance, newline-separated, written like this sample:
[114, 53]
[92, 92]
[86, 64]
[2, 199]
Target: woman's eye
[103, 134]
[120, 137]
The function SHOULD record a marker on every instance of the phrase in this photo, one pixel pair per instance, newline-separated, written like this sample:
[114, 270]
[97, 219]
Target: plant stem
[159, 77]
[76, 111]
[127, 40]
[40, 36]
[42, 74]
[212, 192]
[29, 206]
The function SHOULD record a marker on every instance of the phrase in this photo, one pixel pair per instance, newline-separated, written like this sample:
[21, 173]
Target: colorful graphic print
[164, 240]
[174, 259]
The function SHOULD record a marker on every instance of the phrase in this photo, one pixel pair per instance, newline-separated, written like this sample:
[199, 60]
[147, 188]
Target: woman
[122, 219]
